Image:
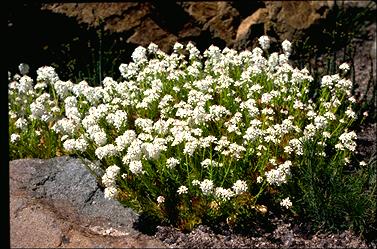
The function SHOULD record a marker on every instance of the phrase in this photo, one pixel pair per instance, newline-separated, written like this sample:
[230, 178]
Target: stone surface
[224, 24]
[112, 14]
[246, 26]
[165, 23]
[232, 24]
[149, 32]
[31, 225]
[57, 203]
[289, 17]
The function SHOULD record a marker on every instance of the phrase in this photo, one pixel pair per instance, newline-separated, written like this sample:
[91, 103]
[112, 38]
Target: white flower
[195, 182]
[55, 109]
[350, 113]
[266, 97]
[182, 190]
[347, 141]
[134, 152]
[320, 122]
[326, 134]
[152, 48]
[21, 123]
[14, 138]
[47, 74]
[236, 150]
[160, 199]
[327, 81]
[286, 203]
[207, 162]
[171, 162]
[279, 175]
[25, 85]
[259, 179]
[286, 45]
[69, 144]
[81, 144]
[362, 163]
[206, 186]
[239, 187]
[273, 161]
[344, 66]
[65, 126]
[177, 47]
[124, 140]
[108, 179]
[64, 137]
[99, 138]
[139, 54]
[110, 192]
[224, 194]
[105, 151]
[352, 99]
[63, 88]
[193, 51]
[151, 151]
[145, 124]
[264, 42]
[136, 167]
[75, 145]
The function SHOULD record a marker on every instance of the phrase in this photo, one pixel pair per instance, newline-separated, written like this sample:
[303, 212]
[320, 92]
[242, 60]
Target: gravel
[285, 235]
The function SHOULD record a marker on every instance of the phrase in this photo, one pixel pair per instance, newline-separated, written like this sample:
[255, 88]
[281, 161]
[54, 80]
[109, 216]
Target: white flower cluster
[109, 180]
[279, 175]
[264, 42]
[171, 162]
[178, 113]
[47, 74]
[182, 190]
[286, 203]
[14, 138]
[346, 141]
[239, 187]
[207, 187]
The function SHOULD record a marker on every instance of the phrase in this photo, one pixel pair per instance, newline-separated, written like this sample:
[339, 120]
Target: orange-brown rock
[149, 32]
[288, 17]
[116, 17]
[258, 17]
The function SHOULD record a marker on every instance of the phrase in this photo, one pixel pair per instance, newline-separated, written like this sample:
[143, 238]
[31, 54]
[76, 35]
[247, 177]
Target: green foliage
[332, 196]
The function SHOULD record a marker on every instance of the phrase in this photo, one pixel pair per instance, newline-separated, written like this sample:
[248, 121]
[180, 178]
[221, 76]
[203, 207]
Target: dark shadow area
[246, 8]
[41, 38]
[169, 16]
[147, 224]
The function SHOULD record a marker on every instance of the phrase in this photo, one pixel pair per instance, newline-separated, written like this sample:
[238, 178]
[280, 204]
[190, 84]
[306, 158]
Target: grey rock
[64, 180]
[57, 203]
[112, 210]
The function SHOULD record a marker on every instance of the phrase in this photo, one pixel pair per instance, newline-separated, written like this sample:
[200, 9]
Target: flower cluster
[109, 180]
[220, 126]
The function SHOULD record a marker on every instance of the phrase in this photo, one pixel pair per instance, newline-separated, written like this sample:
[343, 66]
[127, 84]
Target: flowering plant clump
[191, 137]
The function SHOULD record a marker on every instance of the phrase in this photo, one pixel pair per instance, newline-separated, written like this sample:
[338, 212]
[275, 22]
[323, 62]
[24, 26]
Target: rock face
[228, 23]
[235, 24]
[57, 203]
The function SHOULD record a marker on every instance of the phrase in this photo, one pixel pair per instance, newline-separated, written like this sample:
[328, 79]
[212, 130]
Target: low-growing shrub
[192, 138]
